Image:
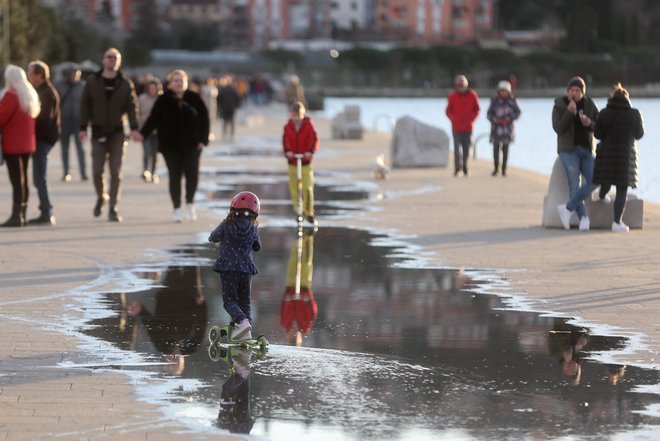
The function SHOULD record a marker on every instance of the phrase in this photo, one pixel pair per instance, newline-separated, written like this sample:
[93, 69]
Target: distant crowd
[172, 116]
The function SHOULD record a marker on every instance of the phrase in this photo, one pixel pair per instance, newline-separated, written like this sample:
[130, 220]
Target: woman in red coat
[19, 107]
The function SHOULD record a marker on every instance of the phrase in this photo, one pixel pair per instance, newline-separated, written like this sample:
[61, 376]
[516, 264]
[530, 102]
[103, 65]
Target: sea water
[535, 146]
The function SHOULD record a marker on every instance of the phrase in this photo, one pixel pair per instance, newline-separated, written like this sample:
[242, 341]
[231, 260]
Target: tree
[30, 26]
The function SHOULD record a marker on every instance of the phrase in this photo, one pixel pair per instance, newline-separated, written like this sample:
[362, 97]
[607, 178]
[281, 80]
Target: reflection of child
[299, 308]
[300, 138]
[235, 414]
[238, 238]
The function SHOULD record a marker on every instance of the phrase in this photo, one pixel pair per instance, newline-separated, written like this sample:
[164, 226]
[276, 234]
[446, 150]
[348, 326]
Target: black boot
[43, 219]
[15, 218]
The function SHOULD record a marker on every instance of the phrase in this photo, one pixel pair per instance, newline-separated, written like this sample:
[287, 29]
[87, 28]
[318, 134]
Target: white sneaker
[177, 216]
[564, 216]
[242, 330]
[607, 199]
[191, 212]
[619, 228]
[584, 223]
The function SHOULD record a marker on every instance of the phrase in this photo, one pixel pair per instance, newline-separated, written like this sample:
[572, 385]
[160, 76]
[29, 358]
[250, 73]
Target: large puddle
[372, 349]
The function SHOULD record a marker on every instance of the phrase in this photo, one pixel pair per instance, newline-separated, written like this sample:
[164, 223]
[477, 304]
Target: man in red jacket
[300, 138]
[462, 110]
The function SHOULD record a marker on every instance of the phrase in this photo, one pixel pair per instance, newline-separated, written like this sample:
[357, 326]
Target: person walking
[294, 92]
[47, 129]
[502, 112]
[300, 138]
[146, 101]
[462, 110]
[70, 89]
[19, 108]
[228, 102]
[618, 126]
[573, 119]
[182, 121]
[238, 237]
[106, 98]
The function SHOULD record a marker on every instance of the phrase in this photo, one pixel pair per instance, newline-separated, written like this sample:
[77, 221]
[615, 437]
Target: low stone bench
[600, 213]
[346, 124]
[415, 144]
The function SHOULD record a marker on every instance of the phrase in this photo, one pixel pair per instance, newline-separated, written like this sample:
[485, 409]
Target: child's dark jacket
[237, 242]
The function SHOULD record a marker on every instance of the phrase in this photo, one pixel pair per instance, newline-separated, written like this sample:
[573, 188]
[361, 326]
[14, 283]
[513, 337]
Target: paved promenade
[477, 222]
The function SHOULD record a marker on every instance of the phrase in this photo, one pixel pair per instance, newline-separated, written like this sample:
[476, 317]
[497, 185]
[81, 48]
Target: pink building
[434, 21]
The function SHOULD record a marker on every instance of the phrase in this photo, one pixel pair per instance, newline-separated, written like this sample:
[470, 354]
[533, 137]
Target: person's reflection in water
[299, 308]
[615, 373]
[568, 344]
[234, 414]
[178, 324]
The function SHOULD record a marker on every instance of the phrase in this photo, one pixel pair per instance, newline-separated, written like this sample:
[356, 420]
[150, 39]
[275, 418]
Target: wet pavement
[372, 348]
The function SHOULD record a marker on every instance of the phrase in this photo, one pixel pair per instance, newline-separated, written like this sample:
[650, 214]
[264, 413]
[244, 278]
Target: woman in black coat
[618, 126]
[182, 120]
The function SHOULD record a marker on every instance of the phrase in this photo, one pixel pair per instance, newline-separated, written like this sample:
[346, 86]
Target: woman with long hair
[182, 121]
[19, 107]
[618, 126]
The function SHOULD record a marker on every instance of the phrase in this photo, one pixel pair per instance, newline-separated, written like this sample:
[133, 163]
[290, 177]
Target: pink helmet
[246, 200]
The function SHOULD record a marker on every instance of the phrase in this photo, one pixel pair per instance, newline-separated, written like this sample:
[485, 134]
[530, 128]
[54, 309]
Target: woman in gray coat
[617, 127]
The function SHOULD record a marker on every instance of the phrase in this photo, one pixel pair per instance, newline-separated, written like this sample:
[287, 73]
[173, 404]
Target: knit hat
[504, 85]
[579, 82]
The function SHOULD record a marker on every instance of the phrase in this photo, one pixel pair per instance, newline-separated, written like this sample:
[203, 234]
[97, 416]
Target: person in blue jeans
[573, 119]
[238, 237]
[47, 129]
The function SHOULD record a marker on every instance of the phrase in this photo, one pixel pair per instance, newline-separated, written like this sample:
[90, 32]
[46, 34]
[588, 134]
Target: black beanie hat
[579, 82]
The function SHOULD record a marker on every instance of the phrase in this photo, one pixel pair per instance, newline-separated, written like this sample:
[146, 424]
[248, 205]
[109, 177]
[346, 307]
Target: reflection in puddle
[273, 190]
[384, 351]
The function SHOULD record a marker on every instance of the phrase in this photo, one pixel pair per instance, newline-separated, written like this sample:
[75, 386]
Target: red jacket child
[305, 140]
[18, 127]
[302, 311]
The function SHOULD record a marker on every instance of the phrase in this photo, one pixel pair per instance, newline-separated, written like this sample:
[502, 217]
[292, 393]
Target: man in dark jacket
[107, 97]
[47, 128]
[573, 119]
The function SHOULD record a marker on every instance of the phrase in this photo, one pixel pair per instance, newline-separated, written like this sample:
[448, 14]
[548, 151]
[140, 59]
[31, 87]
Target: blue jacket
[237, 242]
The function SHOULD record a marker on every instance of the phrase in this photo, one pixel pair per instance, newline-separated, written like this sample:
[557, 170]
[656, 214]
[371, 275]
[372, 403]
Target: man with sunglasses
[107, 97]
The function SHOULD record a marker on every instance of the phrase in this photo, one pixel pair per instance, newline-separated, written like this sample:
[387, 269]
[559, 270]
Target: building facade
[434, 21]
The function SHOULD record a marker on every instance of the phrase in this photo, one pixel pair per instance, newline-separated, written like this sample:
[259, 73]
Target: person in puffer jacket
[462, 110]
[300, 138]
[618, 126]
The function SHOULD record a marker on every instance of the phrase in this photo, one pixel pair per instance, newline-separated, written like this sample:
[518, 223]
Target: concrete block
[600, 213]
[415, 144]
[346, 124]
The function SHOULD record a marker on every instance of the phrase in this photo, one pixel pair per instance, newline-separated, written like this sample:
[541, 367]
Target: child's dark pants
[236, 295]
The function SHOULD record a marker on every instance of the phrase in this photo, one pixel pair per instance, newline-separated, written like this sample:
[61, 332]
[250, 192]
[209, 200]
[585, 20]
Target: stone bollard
[415, 144]
[600, 214]
[346, 124]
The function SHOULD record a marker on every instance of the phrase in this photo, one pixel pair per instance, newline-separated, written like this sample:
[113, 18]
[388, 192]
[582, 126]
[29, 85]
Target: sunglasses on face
[111, 57]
